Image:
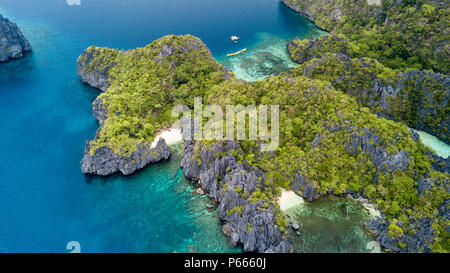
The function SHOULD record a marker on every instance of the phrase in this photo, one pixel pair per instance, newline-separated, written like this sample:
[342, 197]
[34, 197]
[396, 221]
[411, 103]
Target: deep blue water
[46, 117]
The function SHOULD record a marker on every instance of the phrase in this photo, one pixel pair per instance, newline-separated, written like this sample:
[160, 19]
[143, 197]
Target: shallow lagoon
[330, 225]
[46, 117]
[440, 147]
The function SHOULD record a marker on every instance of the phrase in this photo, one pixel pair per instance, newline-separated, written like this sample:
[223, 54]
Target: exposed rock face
[302, 51]
[414, 243]
[418, 242]
[440, 164]
[95, 75]
[100, 112]
[368, 142]
[304, 187]
[252, 224]
[105, 162]
[416, 98]
[12, 42]
[326, 14]
[391, 19]
[164, 60]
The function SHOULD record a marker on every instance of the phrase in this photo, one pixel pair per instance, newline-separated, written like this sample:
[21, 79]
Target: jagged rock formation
[12, 42]
[422, 239]
[417, 98]
[367, 142]
[397, 33]
[440, 164]
[105, 162]
[130, 113]
[93, 69]
[329, 144]
[328, 14]
[302, 51]
[252, 224]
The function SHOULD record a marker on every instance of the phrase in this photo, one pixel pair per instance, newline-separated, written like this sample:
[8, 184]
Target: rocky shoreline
[381, 95]
[13, 44]
[103, 161]
[98, 77]
[251, 224]
[246, 194]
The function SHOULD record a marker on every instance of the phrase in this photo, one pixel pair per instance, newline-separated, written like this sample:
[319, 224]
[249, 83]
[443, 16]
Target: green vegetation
[309, 108]
[146, 83]
[394, 230]
[399, 34]
[302, 51]
[418, 99]
[318, 124]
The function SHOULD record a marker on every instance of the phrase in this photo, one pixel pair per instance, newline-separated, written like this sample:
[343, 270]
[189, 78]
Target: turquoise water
[440, 147]
[156, 210]
[46, 117]
[330, 225]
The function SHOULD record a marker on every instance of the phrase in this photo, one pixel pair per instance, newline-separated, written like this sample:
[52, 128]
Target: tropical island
[344, 117]
[12, 42]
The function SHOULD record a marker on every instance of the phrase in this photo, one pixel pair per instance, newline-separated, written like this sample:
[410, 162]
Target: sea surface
[46, 117]
[438, 146]
[331, 225]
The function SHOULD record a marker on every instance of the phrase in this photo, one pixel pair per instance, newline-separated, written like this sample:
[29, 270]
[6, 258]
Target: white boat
[234, 38]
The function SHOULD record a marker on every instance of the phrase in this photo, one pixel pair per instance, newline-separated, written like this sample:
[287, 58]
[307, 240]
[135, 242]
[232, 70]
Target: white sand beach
[171, 136]
[289, 199]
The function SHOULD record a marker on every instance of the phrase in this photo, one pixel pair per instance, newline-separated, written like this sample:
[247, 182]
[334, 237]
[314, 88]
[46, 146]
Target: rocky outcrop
[12, 42]
[93, 67]
[416, 242]
[167, 64]
[327, 14]
[302, 51]
[416, 98]
[99, 110]
[249, 222]
[105, 162]
[423, 236]
[304, 187]
[368, 142]
[440, 164]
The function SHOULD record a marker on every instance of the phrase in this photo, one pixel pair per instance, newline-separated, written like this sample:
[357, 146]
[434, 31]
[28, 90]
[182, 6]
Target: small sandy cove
[171, 136]
[289, 199]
